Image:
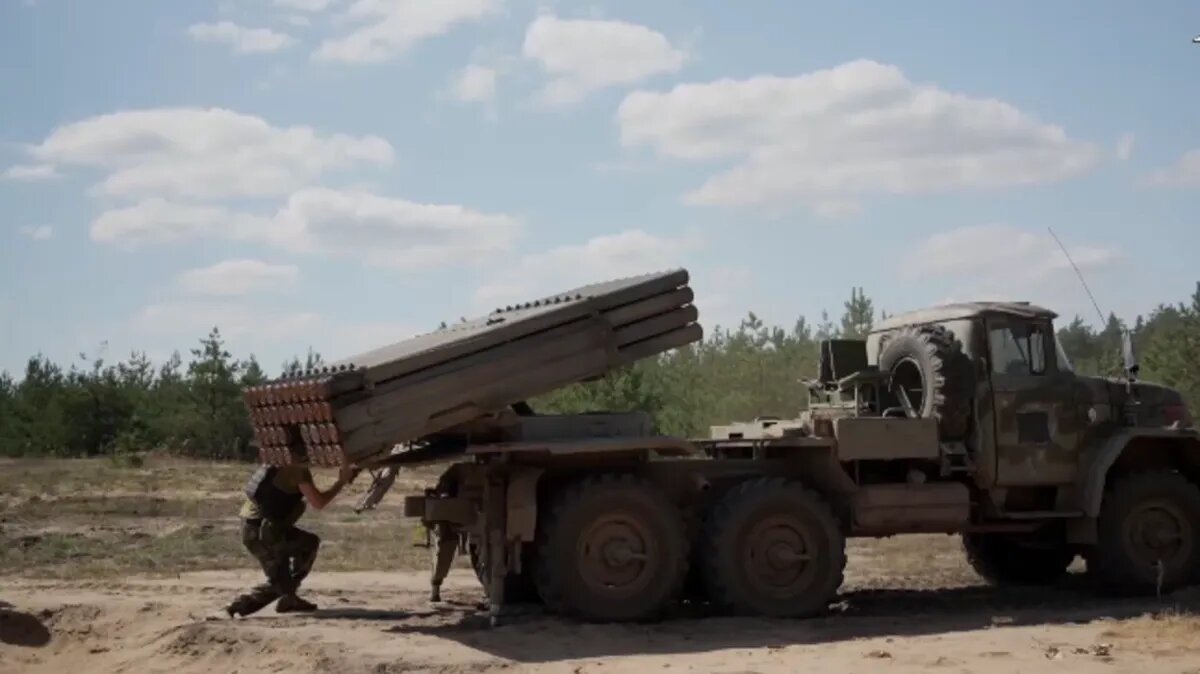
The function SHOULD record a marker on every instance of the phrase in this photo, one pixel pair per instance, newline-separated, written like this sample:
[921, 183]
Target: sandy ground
[380, 623]
[107, 569]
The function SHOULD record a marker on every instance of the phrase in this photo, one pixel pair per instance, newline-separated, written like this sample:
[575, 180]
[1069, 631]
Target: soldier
[445, 537]
[275, 500]
[445, 546]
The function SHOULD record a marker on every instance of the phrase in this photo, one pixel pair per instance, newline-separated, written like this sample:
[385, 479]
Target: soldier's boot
[252, 602]
[290, 603]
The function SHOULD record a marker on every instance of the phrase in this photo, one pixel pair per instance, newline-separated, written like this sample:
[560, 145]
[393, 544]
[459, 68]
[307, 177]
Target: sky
[342, 174]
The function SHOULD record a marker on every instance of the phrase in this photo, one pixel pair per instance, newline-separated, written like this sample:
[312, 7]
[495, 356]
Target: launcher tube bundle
[363, 406]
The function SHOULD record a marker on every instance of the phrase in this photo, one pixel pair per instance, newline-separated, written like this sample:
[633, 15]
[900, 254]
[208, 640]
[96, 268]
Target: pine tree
[252, 373]
[826, 329]
[859, 315]
[213, 379]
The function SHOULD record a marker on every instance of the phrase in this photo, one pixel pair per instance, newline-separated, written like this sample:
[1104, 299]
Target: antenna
[1131, 365]
[1078, 273]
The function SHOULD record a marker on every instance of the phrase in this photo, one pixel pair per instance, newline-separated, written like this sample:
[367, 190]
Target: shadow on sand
[858, 614]
[21, 629]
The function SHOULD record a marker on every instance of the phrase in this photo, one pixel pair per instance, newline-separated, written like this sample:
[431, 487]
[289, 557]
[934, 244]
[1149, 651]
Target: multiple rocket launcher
[360, 407]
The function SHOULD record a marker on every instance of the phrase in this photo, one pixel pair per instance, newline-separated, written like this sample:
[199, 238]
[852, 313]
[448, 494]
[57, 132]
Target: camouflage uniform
[445, 547]
[285, 551]
[445, 538]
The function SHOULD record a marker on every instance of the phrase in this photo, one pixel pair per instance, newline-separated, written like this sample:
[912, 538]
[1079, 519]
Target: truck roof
[960, 310]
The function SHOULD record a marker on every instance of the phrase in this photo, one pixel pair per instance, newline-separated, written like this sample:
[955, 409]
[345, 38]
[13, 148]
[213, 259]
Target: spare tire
[928, 363]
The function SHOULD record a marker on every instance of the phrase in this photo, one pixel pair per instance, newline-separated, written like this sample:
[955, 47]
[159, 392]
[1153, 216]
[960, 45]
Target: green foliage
[859, 316]
[126, 409]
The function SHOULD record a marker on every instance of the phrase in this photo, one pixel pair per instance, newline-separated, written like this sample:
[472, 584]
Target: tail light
[1177, 414]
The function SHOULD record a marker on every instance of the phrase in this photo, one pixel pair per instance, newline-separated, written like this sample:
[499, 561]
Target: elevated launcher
[362, 409]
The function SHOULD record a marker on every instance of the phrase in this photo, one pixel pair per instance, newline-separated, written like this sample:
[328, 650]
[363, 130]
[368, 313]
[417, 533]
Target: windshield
[1064, 361]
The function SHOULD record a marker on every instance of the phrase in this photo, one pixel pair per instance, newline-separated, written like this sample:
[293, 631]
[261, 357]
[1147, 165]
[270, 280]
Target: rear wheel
[613, 548]
[1148, 534]
[1006, 560]
[774, 548]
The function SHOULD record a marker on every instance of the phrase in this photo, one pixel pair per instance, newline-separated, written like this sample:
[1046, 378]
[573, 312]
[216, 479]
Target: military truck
[964, 419]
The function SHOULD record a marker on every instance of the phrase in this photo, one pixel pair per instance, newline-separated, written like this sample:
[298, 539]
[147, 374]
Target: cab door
[1036, 429]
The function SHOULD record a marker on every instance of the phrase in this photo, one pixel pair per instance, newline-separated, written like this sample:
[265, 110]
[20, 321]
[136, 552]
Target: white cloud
[204, 153]
[621, 166]
[837, 209]
[253, 329]
[1184, 173]
[1125, 146]
[586, 55]
[191, 318]
[299, 21]
[720, 295]
[344, 339]
[239, 277]
[999, 253]
[842, 133]
[305, 5]
[30, 172]
[388, 28]
[627, 253]
[475, 84]
[393, 232]
[39, 233]
[381, 231]
[157, 220]
[243, 40]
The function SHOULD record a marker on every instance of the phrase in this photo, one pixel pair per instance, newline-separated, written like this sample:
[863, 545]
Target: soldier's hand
[348, 473]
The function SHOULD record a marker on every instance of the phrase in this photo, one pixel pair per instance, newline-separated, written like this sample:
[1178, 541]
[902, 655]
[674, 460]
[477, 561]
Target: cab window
[1018, 349]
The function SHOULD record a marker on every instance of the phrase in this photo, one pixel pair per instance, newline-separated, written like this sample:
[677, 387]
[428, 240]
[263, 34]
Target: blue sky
[345, 173]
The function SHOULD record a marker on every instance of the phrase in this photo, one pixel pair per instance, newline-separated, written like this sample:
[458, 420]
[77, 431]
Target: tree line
[92, 408]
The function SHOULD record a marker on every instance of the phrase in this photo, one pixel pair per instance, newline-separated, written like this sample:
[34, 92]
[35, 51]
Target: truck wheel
[774, 548]
[928, 363]
[1004, 560]
[612, 549]
[518, 588]
[1146, 519]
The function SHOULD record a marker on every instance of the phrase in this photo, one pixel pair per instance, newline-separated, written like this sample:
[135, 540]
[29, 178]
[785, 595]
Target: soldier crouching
[275, 501]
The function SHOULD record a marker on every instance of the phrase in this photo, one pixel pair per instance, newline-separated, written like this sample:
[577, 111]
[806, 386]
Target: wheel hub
[778, 556]
[1158, 533]
[614, 554]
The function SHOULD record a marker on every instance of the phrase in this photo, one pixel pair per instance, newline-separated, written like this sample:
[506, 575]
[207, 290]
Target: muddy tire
[1004, 560]
[1145, 518]
[929, 364]
[773, 548]
[612, 548]
[519, 588]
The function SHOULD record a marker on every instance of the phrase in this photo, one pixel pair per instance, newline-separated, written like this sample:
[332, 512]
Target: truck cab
[1110, 464]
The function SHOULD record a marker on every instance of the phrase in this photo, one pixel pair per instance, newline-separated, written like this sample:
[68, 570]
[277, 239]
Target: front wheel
[1148, 534]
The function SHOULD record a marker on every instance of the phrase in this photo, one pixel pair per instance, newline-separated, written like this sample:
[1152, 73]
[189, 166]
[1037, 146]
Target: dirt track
[77, 539]
[381, 623]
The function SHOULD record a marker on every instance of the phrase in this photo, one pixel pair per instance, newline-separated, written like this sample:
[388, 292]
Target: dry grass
[1173, 631]
[94, 518]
